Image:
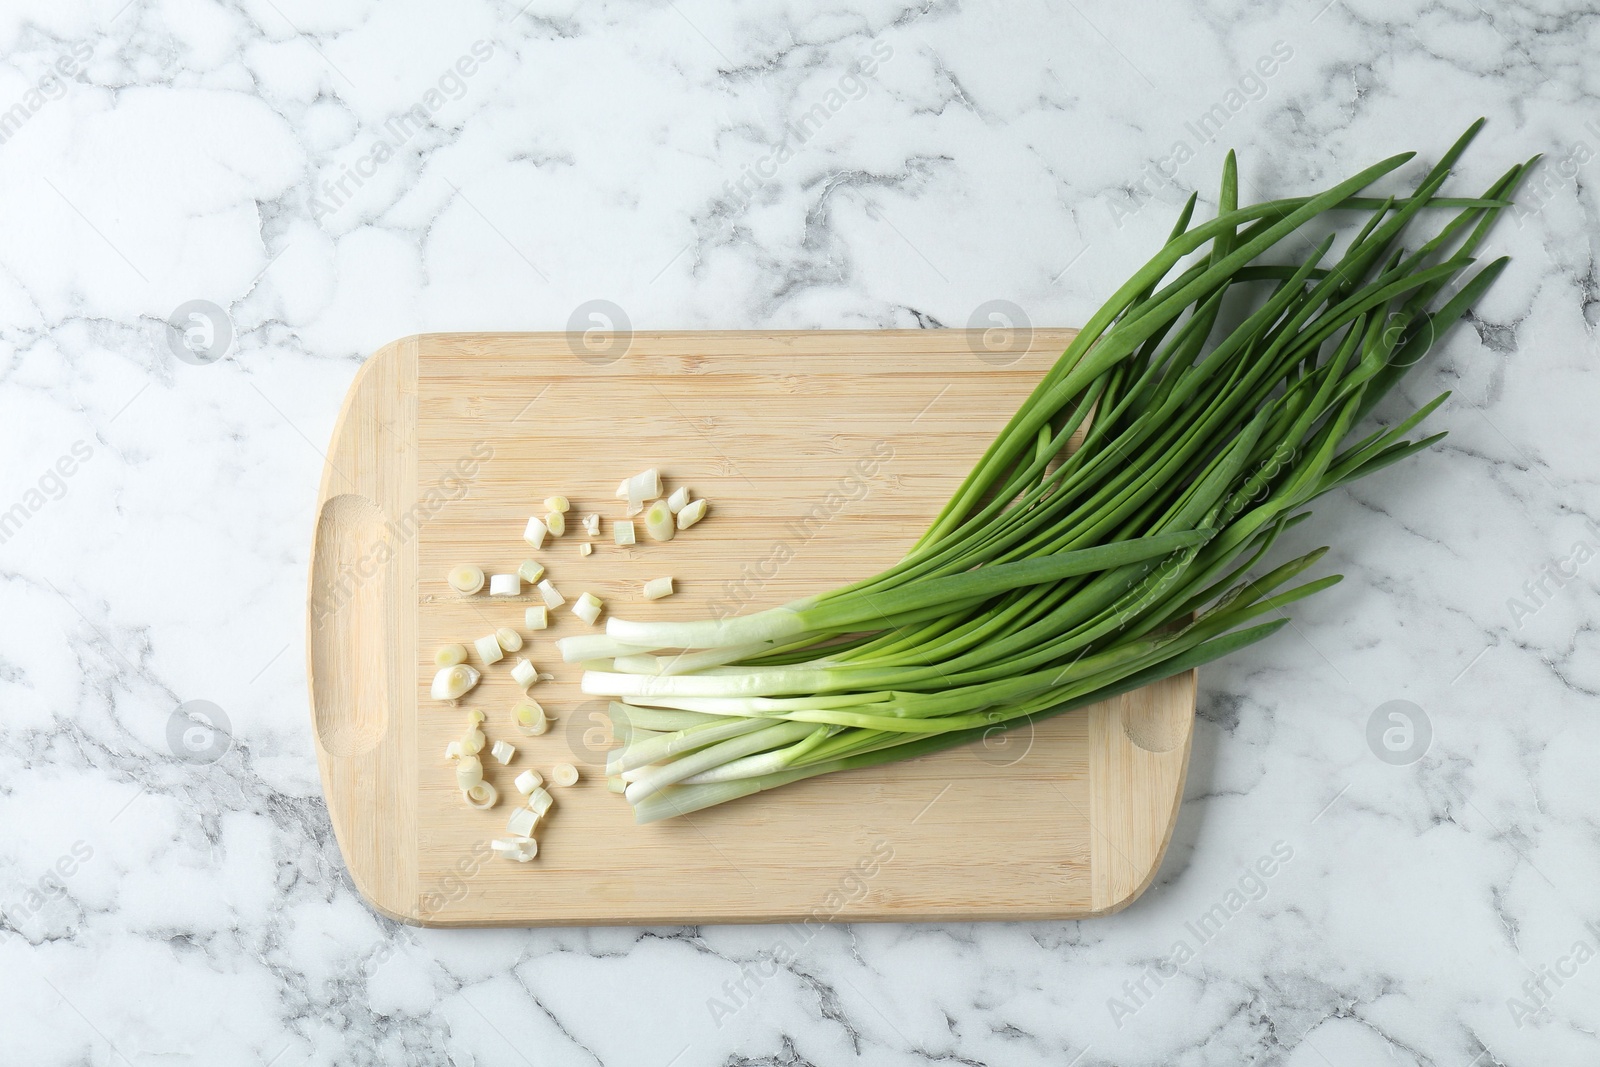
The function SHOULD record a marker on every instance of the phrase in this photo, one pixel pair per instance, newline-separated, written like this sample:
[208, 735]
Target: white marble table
[169, 903]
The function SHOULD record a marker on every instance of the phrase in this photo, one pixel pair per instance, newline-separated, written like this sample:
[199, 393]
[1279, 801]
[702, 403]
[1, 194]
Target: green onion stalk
[1213, 397]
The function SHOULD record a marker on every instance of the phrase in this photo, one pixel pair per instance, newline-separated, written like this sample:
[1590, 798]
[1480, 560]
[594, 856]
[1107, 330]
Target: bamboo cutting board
[824, 455]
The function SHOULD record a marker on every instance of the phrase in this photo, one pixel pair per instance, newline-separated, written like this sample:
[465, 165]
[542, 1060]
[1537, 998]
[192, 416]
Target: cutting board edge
[359, 827]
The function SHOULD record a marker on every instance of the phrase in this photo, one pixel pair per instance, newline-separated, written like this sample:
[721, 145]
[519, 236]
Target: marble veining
[332, 175]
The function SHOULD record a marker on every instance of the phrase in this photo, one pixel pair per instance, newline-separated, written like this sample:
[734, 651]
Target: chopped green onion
[659, 521]
[522, 822]
[488, 649]
[465, 579]
[454, 681]
[588, 607]
[692, 513]
[540, 801]
[524, 673]
[482, 795]
[469, 771]
[643, 486]
[521, 849]
[530, 718]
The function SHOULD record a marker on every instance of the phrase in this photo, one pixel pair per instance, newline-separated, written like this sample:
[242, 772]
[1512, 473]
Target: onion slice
[659, 522]
[482, 795]
[465, 579]
[453, 682]
[530, 718]
[522, 822]
[692, 513]
[588, 607]
[524, 673]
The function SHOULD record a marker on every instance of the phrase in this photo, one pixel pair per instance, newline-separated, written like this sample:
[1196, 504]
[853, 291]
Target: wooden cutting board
[824, 455]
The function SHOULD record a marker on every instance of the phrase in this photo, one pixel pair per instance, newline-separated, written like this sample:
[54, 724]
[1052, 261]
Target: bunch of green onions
[1214, 395]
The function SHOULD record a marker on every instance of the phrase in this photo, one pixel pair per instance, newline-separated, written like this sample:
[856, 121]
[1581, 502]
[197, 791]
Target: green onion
[1214, 393]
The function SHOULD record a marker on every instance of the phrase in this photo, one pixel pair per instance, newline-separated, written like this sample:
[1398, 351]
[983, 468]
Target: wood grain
[824, 455]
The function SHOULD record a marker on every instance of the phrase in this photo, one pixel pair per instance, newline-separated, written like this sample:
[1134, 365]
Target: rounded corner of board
[401, 908]
[396, 349]
[1126, 897]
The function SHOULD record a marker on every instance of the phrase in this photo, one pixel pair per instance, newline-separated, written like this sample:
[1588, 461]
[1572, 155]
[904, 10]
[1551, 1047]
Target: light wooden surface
[824, 455]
